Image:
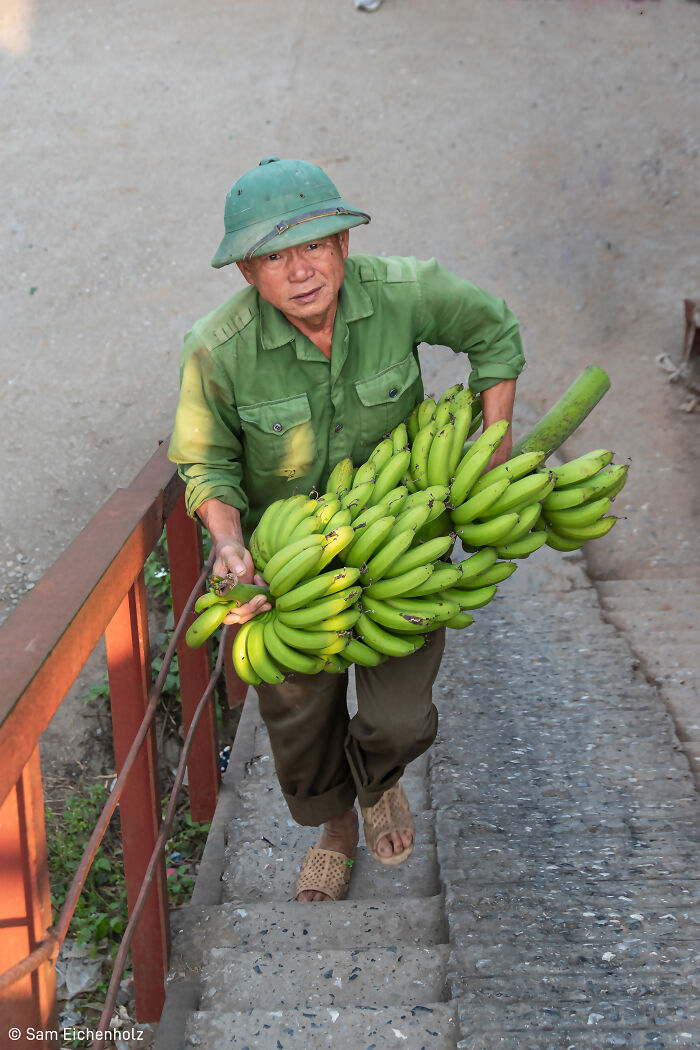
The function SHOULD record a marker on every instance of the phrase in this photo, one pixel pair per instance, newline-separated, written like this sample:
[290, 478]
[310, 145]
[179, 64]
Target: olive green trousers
[324, 758]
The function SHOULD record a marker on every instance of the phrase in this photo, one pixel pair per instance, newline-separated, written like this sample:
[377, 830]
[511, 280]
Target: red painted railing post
[185, 555]
[129, 667]
[25, 904]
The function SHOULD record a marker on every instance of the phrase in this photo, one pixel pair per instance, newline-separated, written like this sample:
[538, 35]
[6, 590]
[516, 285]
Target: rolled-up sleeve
[455, 313]
[205, 442]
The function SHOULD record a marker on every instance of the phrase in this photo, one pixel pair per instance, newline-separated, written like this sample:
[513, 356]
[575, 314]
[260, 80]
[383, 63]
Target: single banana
[340, 518]
[303, 564]
[475, 460]
[522, 548]
[394, 586]
[285, 656]
[342, 622]
[242, 665]
[390, 475]
[423, 554]
[439, 455]
[574, 517]
[294, 522]
[206, 600]
[362, 654]
[327, 507]
[399, 438]
[340, 478]
[518, 494]
[285, 555]
[561, 543]
[337, 643]
[261, 661]
[512, 469]
[413, 518]
[426, 411]
[608, 482]
[451, 393]
[336, 541]
[318, 587]
[443, 415]
[368, 517]
[462, 422]
[412, 424]
[306, 641]
[473, 567]
[368, 541]
[206, 623]
[397, 620]
[420, 450]
[258, 560]
[395, 500]
[487, 533]
[381, 454]
[528, 518]
[498, 572]
[477, 506]
[462, 619]
[366, 472]
[384, 642]
[380, 563]
[444, 575]
[263, 533]
[577, 470]
[323, 609]
[434, 493]
[439, 607]
[477, 420]
[356, 499]
[594, 531]
[472, 599]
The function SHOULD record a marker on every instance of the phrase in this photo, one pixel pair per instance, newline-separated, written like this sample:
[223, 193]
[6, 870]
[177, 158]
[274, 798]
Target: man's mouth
[306, 297]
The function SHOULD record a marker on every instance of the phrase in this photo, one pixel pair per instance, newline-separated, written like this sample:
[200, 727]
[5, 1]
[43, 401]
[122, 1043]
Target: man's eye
[313, 245]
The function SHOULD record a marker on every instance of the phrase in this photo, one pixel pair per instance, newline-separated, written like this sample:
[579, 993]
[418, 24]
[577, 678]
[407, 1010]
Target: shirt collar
[354, 303]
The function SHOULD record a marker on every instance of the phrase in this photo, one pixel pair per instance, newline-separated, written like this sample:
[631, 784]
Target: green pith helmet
[279, 204]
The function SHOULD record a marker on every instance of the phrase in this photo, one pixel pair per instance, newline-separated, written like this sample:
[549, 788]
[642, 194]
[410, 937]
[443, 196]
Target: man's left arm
[497, 402]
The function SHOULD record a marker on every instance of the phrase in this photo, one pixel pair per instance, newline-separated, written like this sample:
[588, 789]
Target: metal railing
[95, 589]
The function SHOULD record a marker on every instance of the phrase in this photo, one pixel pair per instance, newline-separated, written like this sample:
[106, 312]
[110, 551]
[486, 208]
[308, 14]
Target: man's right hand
[232, 557]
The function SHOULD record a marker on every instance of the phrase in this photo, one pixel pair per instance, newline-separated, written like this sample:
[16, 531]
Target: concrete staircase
[251, 968]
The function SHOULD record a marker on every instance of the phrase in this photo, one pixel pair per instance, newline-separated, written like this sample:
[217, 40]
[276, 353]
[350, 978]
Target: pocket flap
[389, 384]
[277, 417]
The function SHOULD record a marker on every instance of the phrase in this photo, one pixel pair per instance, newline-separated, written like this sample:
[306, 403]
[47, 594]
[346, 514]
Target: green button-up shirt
[263, 414]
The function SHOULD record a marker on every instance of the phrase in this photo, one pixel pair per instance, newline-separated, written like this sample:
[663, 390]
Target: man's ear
[245, 270]
[344, 242]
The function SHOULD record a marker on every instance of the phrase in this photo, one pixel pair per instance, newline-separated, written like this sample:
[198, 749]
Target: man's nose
[299, 267]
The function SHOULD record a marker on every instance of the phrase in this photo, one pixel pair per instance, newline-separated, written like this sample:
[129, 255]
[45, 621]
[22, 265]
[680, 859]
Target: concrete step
[244, 980]
[272, 926]
[255, 871]
[431, 1026]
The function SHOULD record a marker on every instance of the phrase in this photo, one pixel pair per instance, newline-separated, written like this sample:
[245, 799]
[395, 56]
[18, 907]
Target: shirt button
[393, 392]
[277, 427]
[338, 427]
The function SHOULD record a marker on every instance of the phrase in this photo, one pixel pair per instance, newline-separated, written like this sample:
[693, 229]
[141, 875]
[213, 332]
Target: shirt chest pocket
[387, 398]
[278, 437]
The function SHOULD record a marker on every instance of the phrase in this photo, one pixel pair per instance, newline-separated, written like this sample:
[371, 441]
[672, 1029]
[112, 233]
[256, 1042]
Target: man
[314, 361]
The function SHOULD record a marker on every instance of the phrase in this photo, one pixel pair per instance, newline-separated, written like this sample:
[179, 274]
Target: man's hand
[231, 555]
[497, 402]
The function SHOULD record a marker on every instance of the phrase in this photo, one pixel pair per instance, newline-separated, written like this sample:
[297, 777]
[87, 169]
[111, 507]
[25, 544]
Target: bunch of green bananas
[576, 509]
[358, 574]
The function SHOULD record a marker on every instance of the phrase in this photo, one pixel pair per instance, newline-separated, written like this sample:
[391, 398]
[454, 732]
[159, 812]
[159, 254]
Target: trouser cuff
[314, 811]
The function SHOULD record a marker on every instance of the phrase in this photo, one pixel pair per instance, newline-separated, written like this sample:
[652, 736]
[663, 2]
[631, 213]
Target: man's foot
[390, 831]
[340, 834]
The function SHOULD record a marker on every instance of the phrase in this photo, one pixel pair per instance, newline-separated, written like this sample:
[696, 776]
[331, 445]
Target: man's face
[302, 282]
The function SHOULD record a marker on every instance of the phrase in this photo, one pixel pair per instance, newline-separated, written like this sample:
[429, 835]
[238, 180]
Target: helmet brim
[299, 228]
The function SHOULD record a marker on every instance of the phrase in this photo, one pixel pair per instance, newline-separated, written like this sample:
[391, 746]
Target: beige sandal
[325, 871]
[391, 813]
